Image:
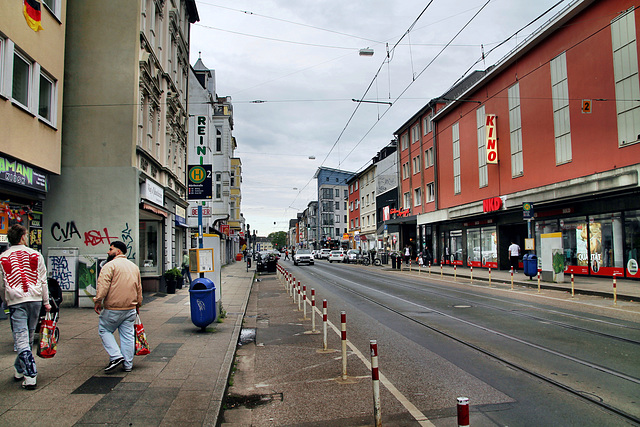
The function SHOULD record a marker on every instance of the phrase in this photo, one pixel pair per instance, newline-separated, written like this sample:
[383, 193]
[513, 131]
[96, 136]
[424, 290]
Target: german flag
[32, 14]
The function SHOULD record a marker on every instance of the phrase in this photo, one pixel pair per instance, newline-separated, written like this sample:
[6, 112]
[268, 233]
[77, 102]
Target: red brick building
[560, 117]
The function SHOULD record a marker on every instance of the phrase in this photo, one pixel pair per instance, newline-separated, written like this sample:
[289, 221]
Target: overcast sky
[300, 60]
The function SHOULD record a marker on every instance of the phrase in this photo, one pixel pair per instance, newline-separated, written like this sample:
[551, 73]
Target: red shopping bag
[142, 346]
[48, 344]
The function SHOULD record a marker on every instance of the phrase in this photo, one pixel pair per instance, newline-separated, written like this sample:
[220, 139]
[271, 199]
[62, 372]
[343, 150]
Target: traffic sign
[200, 182]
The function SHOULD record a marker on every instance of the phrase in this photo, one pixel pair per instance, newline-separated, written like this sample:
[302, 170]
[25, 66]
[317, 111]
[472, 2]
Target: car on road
[338, 256]
[352, 256]
[303, 256]
[324, 253]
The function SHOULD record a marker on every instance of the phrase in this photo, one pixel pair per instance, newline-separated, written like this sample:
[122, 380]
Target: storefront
[22, 190]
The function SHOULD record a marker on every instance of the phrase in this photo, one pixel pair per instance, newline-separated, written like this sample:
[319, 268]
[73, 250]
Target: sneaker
[29, 383]
[114, 364]
[17, 376]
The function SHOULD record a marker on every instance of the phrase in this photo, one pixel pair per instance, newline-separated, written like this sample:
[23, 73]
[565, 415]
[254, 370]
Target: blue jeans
[24, 318]
[186, 274]
[123, 321]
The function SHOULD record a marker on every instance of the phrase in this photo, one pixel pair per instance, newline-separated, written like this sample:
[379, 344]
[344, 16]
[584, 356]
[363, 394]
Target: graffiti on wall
[60, 270]
[69, 232]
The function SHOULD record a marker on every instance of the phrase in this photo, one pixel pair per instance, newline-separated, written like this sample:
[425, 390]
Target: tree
[278, 239]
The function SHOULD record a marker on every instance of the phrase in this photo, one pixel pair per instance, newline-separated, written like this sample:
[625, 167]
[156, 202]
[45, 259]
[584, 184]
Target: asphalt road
[521, 358]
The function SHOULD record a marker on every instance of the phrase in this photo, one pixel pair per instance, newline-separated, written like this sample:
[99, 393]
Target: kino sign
[492, 139]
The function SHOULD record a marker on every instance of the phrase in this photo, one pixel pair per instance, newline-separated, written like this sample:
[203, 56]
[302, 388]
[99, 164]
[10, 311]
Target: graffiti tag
[61, 272]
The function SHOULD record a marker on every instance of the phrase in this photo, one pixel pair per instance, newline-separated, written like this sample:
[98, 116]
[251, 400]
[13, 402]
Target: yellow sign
[201, 260]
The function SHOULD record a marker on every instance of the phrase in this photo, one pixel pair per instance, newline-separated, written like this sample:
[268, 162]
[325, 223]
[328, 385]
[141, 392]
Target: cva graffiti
[91, 237]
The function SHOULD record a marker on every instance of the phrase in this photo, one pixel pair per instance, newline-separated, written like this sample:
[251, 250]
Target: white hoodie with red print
[23, 276]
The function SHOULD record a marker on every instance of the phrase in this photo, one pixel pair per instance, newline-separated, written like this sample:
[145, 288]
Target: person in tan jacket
[117, 301]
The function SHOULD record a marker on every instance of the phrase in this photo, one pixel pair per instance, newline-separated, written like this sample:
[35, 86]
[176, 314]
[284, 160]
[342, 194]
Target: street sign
[199, 182]
[527, 210]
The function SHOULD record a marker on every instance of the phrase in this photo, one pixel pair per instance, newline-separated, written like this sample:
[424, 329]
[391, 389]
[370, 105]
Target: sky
[292, 69]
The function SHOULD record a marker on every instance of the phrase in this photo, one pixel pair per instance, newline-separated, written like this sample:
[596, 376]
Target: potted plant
[171, 277]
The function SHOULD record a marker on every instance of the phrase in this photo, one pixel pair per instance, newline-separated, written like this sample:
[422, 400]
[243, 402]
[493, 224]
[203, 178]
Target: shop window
[489, 247]
[149, 247]
[474, 248]
[632, 243]
[605, 244]
[455, 247]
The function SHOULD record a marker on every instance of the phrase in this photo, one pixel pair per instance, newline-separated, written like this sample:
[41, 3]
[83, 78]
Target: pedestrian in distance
[514, 254]
[23, 286]
[185, 267]
[286, 254]
[117, 301]
[407, 254]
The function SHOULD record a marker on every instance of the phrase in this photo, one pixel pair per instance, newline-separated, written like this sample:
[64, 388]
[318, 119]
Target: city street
[521, 358]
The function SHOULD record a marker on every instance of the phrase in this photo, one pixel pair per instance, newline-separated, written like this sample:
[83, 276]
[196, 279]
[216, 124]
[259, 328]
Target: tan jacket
[119, 285]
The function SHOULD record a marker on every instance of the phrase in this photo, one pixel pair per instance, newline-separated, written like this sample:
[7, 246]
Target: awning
[157, 211]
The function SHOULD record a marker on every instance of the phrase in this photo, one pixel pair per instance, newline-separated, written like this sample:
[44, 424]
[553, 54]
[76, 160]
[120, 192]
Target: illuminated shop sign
[492, 139]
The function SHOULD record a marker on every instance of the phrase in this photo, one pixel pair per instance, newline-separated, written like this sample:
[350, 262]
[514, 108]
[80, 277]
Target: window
[233, 178]
[456, 158]
[21, 79]
[337, 232]
[407, 200]
[53, 6]
[426, 123]
[625, 73]
[337, 192]
[483, 178]
[404, 141]
[45, 100]
[431, 192]
[337, 206]
[515, 129]
[345, 206]
[363, 201]
[232, 210]
[345, 219]
[351, 224]
[350, 188]
[346, 194]
[351, 207]
[415, 134]
[416, 164]
[417, 197]
[218, 139]
[218, 185]
[560, 96]
[356, 185]
[367, 200]
[337, 220]
[428, 158]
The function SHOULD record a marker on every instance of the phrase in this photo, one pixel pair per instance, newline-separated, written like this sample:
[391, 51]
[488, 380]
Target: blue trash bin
[203, 302]
[530, 263]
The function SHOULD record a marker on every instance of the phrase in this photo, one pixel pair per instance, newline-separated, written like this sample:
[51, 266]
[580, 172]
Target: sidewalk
[627, 290]
[182, 381]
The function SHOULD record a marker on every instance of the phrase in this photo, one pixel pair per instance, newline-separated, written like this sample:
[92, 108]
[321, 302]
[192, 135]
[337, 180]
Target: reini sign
[200, 175]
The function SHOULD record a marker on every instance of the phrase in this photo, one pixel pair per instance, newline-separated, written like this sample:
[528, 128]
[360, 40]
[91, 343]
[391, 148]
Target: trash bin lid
[202, 283]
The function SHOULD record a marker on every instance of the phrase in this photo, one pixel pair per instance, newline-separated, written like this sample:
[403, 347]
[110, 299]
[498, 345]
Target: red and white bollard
[299, 295]
[429, 268]
[343, 322]
[615, 290]
[511, 278]
[572, 286]
[538, 281]
[304, 301]
[489, 276]
[463, 412]
[455, 273]
[375, 377]
[324, 325]
[471, 270]
[313, 310]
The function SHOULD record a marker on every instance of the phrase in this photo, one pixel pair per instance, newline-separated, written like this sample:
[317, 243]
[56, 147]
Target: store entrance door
[510, 233]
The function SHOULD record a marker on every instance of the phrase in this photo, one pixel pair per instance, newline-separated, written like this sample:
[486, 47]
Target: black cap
[119, 245]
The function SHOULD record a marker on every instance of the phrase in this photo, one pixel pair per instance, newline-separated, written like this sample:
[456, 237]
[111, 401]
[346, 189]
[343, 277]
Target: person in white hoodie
[23, 286]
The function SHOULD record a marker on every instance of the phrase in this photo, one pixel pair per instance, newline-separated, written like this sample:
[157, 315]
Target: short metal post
[572, 286]
[429, 268]
[299, 295]
[440, 269]
[304, 301]
[538, 281]
[313, 310]
[324, 325]
[489, 276]
[463, 412]
[375, 376]
[615, 291]
[343, 322]
[471, 269]
[455, 273]
[511, 278]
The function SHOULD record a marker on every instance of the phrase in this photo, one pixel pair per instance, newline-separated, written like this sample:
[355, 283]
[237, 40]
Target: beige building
[123, 174]
[31, 84]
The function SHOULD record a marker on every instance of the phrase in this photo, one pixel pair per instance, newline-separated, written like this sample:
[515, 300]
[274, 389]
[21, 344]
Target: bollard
[313, 310]
[324, 325]
[440, 269]
[409, 264]
[511, 278]
[343, 323]
[471, 269]
[429, 268]
[538, 281]
[489, 276]
[615, 291]
[463, 412]
[572, 287]
[304, 301]
[375, 376]
[299, 294]
[455, 273]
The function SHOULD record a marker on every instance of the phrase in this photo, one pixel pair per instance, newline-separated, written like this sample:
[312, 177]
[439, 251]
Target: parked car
[303, 256]
[324, 253]
[352, 256]
[338, 256]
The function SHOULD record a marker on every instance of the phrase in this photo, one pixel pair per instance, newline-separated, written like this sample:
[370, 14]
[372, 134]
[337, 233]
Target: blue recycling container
[530, 263]
[203, 302]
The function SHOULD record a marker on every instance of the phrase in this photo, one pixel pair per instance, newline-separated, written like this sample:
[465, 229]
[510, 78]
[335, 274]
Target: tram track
[587, 396]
